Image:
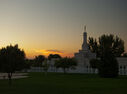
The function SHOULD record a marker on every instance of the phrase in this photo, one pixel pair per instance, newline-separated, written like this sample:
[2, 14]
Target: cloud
[35, 52]
[50, 51]
[55, 51]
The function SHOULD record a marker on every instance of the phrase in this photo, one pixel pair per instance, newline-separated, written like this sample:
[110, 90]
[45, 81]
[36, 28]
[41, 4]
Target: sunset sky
[56, 26]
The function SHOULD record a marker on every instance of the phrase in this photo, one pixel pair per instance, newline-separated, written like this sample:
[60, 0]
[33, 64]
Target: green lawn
[58, 83]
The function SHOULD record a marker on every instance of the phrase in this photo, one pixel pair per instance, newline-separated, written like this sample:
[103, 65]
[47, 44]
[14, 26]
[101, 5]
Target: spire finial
[85, 28]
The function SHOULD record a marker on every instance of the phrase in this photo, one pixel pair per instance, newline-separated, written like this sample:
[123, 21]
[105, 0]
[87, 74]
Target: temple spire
[85, 45]
[85, 28]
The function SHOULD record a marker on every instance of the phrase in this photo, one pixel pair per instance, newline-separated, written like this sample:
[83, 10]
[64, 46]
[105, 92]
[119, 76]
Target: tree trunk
[93, 70]
[9, 78]
[45, 72]
[64, 69]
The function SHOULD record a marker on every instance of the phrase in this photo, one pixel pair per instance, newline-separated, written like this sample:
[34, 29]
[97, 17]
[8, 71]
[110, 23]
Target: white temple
[84, 55]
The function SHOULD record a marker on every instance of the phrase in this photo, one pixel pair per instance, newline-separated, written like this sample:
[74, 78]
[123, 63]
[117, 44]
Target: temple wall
[82, 68]
[122, 65]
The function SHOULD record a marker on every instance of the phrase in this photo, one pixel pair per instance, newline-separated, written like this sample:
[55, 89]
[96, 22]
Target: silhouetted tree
[94, 63]
[108, 65]
[115, 43]
[93, 45]
[66, 63]
[53, 56]
[27, 65]
[39, 60]
[109, 49]
[45, 66]
[11, 59]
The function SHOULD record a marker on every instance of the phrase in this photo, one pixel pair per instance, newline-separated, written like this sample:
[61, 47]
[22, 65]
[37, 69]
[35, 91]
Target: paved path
[14, 75]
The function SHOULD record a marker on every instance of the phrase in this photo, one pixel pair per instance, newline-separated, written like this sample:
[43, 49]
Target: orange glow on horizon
[46, 53]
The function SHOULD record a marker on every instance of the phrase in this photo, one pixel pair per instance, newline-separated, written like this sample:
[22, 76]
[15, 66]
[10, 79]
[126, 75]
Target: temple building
[84, 56]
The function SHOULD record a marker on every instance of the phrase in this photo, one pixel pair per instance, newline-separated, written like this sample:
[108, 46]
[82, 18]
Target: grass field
[58, 83]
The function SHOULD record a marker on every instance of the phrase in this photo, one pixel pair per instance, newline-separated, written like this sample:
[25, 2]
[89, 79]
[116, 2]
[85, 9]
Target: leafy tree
[11, 59]
[73, 63]
[45, 66]
[109, 49]
[66, 63]
[94, 63]
[93, 45]
[39, 60]
[115, 43]
[53, 56]
[28, 63]
[108, 66]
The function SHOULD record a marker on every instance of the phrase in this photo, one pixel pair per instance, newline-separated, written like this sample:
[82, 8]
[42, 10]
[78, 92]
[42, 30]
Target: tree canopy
[105, 42]
[66, 63]
[45, 66]
[94, 63]
[108, 48]
[53, 56]
[11, 59]
[108, 66]
[39, 60]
